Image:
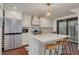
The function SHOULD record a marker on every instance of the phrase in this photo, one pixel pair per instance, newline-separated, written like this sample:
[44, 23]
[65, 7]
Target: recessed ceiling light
[15, 8]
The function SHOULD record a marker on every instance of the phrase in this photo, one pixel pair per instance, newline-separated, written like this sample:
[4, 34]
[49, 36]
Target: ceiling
[39, 9]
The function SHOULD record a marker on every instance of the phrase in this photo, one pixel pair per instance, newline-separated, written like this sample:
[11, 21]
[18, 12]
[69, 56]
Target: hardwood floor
[71, 49]
[16, 51]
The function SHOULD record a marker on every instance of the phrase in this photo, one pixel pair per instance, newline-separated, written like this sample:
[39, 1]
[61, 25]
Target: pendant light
[48, 10]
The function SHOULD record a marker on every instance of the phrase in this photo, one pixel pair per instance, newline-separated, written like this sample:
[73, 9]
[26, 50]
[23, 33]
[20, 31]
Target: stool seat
[51, 46]
[61, 42]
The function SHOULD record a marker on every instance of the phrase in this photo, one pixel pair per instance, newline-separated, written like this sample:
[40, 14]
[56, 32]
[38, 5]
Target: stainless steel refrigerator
[12, 33]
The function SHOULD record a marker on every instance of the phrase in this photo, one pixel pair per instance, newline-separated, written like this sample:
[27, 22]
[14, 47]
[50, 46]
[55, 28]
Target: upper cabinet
[26, 21]
[29, 21]
[13, 14]
[45, 22]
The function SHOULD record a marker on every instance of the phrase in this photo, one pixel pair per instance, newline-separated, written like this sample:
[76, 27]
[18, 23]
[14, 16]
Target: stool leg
[62, 50]
[58, 49]
[44, 51]
[50, 52]
[56, 52]
[65, 49]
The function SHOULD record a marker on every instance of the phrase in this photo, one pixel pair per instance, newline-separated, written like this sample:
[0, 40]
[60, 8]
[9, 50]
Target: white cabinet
[45, 22]
[26, 21]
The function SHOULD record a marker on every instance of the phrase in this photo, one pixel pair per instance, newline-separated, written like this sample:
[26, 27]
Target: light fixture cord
[48, 4]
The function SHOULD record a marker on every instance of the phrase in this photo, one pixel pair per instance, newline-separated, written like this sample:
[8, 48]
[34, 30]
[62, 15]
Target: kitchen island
[37, 42]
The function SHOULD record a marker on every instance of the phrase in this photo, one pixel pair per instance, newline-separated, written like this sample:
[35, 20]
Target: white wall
[54, 22]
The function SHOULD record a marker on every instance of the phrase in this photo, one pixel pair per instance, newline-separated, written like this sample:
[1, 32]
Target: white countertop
[48, 37]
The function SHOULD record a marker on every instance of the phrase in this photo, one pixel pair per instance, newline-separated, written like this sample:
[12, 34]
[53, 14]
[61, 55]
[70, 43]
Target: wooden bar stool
[50, 47]
[62, 43]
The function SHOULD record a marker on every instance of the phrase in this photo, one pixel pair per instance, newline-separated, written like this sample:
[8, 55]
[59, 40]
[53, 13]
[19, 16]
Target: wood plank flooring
[71, 49]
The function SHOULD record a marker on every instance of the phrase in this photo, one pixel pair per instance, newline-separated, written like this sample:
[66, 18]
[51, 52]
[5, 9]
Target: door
[61, 27]
[69, 27]
[73, 30]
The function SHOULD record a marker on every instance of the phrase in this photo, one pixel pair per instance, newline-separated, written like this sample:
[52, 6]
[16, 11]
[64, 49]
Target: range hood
[36, 20]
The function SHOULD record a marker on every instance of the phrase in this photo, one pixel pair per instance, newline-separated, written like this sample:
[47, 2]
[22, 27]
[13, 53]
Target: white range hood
[35, 20]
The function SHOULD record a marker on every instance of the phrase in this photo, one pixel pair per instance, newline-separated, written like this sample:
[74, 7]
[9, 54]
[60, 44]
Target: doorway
[68, 26]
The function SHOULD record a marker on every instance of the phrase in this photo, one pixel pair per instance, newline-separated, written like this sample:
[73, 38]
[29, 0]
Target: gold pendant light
[48, 11]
